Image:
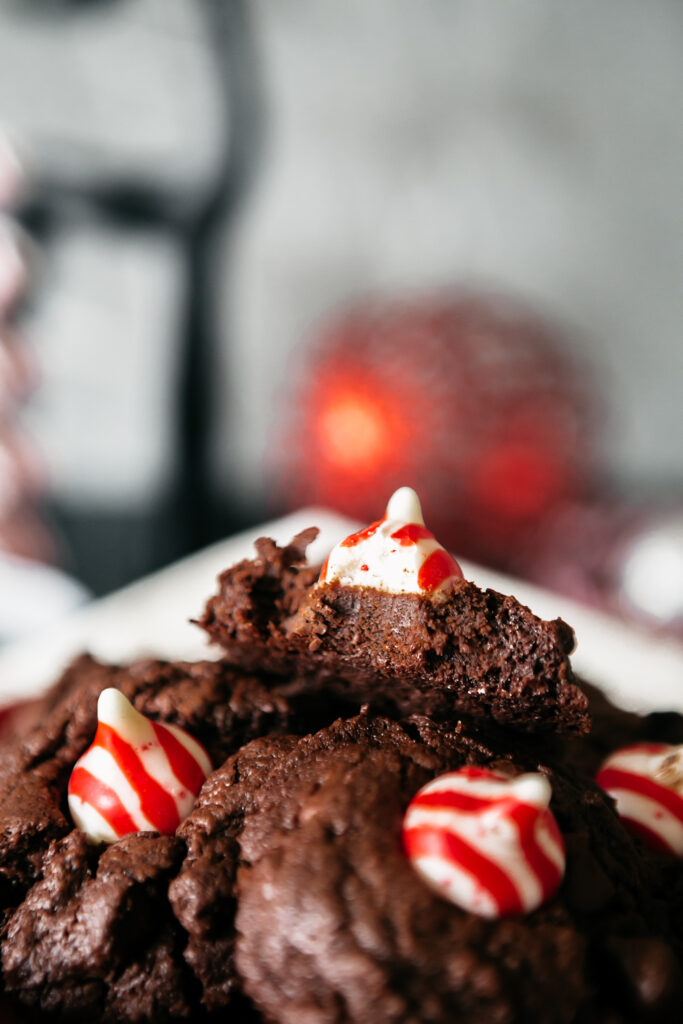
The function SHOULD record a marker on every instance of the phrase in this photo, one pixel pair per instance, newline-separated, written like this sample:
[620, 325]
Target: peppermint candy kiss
[486, 842]
[137, 776]
[397, 554]
[646, 783]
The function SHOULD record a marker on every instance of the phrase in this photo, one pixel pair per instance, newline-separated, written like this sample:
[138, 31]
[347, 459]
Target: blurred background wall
[532, 147]
[204, 182]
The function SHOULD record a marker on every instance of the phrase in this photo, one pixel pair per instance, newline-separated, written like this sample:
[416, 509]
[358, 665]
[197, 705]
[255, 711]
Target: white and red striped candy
[646, 782]
[396, 554]
[137, 776]
[486, 842]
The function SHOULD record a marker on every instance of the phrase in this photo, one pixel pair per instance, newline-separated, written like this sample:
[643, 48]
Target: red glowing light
[359, 426]
[354, 431]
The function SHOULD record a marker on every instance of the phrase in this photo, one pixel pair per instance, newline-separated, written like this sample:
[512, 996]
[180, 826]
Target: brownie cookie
[222, 707]
[334, 925]
[295, 887]
[462, 651]
[300, 838]
[95, 938]
[56, 890]
[203, 893]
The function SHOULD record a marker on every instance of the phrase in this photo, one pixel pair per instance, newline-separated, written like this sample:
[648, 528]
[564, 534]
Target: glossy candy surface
[138, 775]
[396, 554]
[486, 842]
[646, 782]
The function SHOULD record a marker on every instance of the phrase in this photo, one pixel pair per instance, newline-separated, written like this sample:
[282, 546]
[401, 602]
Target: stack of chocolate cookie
[400, 823]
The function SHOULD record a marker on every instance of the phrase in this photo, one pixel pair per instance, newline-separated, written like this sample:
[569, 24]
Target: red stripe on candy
[527, 820]
[449, 800]
[619, 778]
[356, 538]
[648, 835]
[439, 566]
[184, 766]
[103, 798]
[157, 805]
[411, 533]
[426, 841]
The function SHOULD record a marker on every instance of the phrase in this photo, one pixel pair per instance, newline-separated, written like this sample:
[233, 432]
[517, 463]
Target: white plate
[33, 596]
[151, 617]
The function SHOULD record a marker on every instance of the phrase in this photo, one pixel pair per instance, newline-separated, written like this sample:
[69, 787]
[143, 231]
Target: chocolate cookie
[460, 651]
[221, 707]
[66, 892]
[333, 924]
[443, 855]
[288, 882]
[95, 939]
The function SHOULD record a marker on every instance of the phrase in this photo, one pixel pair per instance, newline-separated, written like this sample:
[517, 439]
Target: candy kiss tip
[404, 505]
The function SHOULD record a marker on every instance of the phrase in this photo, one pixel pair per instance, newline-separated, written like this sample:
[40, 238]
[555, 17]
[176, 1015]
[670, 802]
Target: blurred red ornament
[470, 399]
